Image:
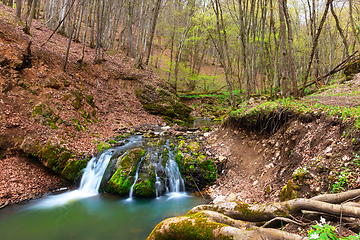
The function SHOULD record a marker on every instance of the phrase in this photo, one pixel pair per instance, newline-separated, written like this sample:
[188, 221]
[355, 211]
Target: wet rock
[149, 134]
[123, 178]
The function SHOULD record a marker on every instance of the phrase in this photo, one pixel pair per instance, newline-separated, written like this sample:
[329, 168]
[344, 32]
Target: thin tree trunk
[353, 26]
[315, 45]
[130, 36]
[31, 17]
[18, 8]
[340, 30]
[291, 62]
[152, 31]
[70, 37]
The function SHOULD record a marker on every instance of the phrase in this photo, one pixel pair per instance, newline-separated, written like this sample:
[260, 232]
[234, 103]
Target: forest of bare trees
[251, 46]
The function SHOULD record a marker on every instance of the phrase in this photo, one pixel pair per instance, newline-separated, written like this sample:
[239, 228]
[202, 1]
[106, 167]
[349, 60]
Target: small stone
[260, 150]
[250, 144]
[256, 182]
[231, 198]
[222, 159]
[294, 137]
[277, 154]
[236, 132]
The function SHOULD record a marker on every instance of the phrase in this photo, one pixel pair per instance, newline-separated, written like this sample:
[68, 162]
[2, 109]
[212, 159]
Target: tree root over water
[238, 220]
[5, 204]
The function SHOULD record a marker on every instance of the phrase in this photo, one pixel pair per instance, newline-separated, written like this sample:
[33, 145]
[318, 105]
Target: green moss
[76, 103]
[90, 100]
[164, 157]
[59, 160]
[72, 169]
[194, 147]
[77, 125]
[288, 192]
[145, 188]
[103, 146]
[195, 226]
[123, 178]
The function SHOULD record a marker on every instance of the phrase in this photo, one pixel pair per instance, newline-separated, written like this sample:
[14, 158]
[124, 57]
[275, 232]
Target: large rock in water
[145, 184]
[164, 103]
[123, 178]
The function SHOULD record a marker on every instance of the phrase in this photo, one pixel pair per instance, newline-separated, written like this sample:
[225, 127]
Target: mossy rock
[195, 226]
[73, 168]
[145, 186]
[351, 69]
[122, 180]
[163, 103]
[194, 147]
[76, 103]
[289, 191]
[103, 146]
[61, 161]
[90, 100]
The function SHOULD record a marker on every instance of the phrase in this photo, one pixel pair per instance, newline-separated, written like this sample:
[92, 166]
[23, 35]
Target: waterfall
[136, 177]
[89, 185]
[93, 173]
[175, 181]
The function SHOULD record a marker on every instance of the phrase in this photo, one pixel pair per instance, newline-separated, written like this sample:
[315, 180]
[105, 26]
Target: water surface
[102, 216]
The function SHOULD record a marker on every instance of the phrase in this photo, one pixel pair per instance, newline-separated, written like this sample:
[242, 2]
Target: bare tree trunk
[315, 45]
[31, 17]
[171, 53]
[283, 53]
[130, 36]
[222, 48]
[353, 26]
[291, 62]
[92, 32]
[152, 31]
[70, 37]
[340, 30]
[18, 8]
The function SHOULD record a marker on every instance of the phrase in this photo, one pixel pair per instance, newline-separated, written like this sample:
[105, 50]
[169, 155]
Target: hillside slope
[62, 118]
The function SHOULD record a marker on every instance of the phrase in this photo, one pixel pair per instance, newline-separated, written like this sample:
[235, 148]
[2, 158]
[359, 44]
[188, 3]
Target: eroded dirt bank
[308, 154]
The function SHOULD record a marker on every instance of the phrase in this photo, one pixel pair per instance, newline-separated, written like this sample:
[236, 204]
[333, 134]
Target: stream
[85, 213]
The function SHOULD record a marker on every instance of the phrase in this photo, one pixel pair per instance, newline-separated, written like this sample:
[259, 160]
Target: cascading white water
[158, 185]
[176, 183]
[136, 178]
[89, 185]
[93, 173]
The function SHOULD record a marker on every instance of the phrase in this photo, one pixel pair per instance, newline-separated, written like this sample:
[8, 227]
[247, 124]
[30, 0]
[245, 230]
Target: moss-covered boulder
[195, 166]
[123, 178]
[159, 101]
[145, 184]
[60, 160]
[73, 168]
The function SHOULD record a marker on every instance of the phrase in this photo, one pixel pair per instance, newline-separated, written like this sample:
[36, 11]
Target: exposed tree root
[5, 204]
[338, 198]
[225, 220]
[212, 225]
